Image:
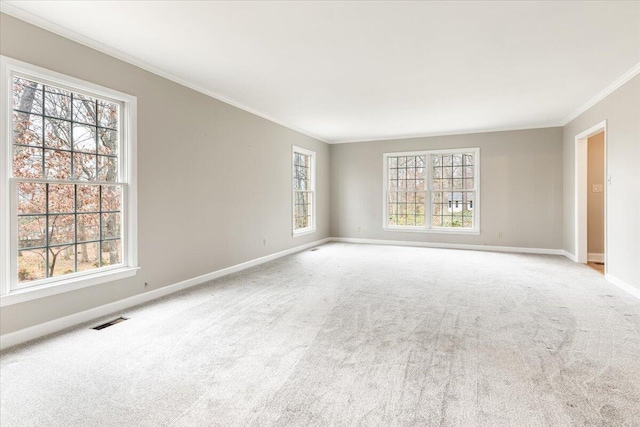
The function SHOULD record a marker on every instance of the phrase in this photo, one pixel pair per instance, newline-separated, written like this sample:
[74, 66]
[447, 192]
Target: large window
[304, 164]
[432, 191]
[69, 176]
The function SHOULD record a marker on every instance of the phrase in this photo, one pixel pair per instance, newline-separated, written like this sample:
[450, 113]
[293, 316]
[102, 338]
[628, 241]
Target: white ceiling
[347, 71]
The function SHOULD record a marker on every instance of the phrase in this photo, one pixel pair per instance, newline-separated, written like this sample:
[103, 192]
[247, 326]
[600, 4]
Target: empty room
[319, 213]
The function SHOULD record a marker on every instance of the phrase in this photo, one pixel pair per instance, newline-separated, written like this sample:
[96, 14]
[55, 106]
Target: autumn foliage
[65, 170]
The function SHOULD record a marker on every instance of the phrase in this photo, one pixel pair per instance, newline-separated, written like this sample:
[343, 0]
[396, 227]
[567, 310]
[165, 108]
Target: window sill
[59, 287]
[472, 232]
[304, 232]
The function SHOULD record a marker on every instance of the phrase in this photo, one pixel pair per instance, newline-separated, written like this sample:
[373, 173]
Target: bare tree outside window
[432, 190]
[303, 190]
[65, 164]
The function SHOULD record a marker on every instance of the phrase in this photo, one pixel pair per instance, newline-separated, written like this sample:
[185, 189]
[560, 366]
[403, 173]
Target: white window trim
[312, 228]
[9, 292]
[475, 230]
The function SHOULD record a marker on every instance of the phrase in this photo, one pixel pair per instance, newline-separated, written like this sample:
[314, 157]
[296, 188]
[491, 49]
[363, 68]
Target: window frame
[427, 228]
[312, 165]
[10, 291]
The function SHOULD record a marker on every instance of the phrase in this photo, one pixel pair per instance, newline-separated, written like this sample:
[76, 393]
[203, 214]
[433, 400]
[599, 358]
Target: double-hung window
[68, 217]
[304, 191]
[432, 191]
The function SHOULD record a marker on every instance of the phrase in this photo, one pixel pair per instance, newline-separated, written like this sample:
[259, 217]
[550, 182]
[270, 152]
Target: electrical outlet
[499, 234]
[264, 242]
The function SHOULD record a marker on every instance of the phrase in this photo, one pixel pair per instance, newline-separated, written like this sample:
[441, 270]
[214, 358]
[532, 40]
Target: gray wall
[621, 109]
[521, 188]
[595, 201]
[222, 174]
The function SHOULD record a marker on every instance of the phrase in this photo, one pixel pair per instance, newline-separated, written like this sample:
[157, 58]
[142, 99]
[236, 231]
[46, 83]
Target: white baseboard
[451, 246]
[592, 257]
[623, 285]
[571, 256]
[56, 325]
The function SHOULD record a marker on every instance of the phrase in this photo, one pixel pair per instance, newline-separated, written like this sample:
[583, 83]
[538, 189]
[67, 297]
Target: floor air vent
[110, 323]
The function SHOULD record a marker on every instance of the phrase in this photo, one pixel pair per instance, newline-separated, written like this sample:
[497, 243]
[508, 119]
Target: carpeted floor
[350, 335]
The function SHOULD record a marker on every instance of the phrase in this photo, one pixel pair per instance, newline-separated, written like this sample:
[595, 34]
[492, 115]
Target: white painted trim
[488, 248]
[5, 171]
[571, 256]
[428, 228]
[603, 94]
[623, 285]
[592, 257]
[11, 292]
[16, 12]
[581, 191]
[446, 133]
[441, 230]
[47, 289]
[56, 325]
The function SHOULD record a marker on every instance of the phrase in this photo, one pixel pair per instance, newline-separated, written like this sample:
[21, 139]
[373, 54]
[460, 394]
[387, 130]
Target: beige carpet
[350, 335]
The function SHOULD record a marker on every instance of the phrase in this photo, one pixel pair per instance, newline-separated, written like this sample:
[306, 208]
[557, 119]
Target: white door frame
[581, 191]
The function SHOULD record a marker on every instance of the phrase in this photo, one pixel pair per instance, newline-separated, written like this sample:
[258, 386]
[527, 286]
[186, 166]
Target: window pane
[107, 114]
[452, 172]
[84, 109]
[27, 96]
[57, 103]
[62, 260]
[88, 227]
[61, 198]
[110, 225]
[107, 169]
[27, 162]
[301, 171]
[88, 198]
[111, 197]
[302, 209]
[32, 198]
[57, 134]
[61, 229]
[31, 231]
[88, 256]
[111, 252]
[107, 141]
[57, 164]
[84, 138]
[84, 167]
[31, 265]
[452, 209]
[27, 129]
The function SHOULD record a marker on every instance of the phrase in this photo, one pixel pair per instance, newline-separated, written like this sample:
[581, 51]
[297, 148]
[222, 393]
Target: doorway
[591, 197]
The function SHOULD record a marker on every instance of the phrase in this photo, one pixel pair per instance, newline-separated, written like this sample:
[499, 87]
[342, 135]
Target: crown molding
[451, 133]
[603, 94]
[52, 27]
